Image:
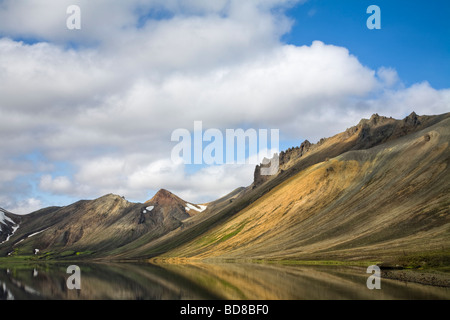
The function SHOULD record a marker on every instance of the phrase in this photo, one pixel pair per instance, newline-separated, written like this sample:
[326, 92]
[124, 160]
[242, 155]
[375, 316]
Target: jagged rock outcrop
[284, 160]
[366, 134]
[294, 153]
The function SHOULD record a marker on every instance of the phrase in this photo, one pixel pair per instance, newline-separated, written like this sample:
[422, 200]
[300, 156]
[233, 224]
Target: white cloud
[58, 185]
[104, 22]
[108, 108]
[134, 178]
[213, 182]
[26, 206]
[420, 97]
[11, 169]
[388, 76]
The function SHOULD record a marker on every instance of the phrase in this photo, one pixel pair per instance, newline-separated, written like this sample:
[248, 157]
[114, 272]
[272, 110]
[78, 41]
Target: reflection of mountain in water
[100, 281]
[204, 281]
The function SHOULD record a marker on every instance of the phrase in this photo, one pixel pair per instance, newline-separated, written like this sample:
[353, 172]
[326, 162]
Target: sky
[87, 112]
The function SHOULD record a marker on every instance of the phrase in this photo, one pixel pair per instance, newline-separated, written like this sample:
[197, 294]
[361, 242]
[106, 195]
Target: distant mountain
[93, 228]
[378, 190]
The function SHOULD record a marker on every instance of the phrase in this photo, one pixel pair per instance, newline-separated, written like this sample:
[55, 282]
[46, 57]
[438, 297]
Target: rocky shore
[433, 278]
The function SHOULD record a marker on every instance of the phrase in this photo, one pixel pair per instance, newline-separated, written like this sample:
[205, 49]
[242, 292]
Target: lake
[200, 281]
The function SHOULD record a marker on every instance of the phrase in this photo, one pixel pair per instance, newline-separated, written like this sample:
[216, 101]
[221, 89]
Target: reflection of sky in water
[204, 281]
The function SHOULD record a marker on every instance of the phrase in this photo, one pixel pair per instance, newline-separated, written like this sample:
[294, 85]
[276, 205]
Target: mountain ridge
[95, 226]
[167, 226]
[324, 212]
[366, 134]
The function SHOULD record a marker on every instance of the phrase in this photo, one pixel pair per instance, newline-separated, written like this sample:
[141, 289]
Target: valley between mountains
[379, 191]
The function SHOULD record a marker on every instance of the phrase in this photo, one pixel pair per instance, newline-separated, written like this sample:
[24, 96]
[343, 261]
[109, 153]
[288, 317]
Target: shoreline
[427, 277]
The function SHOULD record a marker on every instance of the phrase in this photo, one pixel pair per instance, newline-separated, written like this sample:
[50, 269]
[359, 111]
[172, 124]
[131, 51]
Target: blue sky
[91, 111]
[414, 37]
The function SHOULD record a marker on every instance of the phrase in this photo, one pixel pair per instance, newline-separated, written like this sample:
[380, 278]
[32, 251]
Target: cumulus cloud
[112, 22]
[26, 206]
[388, 77]
[136, 178]
[105, 99]
[56, 185]
[420, 97]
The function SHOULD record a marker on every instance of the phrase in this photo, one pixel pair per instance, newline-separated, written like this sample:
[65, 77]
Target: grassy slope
[384, 203]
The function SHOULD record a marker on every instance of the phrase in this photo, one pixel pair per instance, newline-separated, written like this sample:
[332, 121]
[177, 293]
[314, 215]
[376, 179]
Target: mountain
[193, 241]
[366, 134]
[94, 228]
[379, 190]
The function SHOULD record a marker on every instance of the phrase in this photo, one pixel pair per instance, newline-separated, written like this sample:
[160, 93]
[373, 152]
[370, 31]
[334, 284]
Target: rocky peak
[285, 157]
[258, 178]
[366, 134]
[412, 120]
[109, 199]
[165, 207]
[163, 193]
[305, 146]
[294, 153]
[374, 120]
[165, 197]
[112, 196]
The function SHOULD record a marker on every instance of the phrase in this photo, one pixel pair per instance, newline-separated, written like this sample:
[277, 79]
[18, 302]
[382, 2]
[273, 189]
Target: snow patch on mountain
[33, 234]
[4, 218]
[10, 235]
[200, 208]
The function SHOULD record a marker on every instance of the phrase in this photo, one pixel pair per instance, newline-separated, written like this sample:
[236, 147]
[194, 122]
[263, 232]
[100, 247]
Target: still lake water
[235, 281]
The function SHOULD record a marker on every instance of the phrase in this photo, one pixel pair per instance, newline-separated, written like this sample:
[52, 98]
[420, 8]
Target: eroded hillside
[389, 200]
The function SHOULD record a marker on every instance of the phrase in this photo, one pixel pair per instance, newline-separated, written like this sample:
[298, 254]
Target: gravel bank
[432, 278]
